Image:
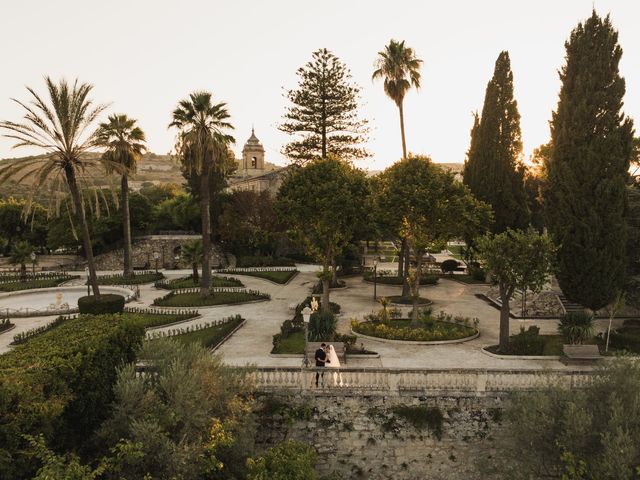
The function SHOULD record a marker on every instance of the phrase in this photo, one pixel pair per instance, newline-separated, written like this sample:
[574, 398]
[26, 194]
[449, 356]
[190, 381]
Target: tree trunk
[505, 295]
[334, 274]
[407, 261]
[325, 278]
[415, 293]
[205, 286]
[23, 272]
[195, 276]
[84, 228]
[126, 226]
[401, 259]
[404, 143]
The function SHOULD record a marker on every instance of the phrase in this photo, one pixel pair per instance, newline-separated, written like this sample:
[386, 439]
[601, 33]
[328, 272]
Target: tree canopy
[493, 170]
[323, 115]
[585, 195]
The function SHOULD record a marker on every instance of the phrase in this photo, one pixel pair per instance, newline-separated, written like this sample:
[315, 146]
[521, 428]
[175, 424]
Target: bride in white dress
[334, 362]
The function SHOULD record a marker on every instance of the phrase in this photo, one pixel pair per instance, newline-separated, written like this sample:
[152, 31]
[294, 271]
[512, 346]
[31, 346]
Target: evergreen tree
[585, 196]
[494, 171]
[323, 116]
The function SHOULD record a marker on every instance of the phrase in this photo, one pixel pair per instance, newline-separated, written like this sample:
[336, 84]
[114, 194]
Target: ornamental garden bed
[5, 325]
[317, 288]
[441, 328]
[187, 282]
[387, 279]
[276, 276]
[408, 301]
[40, 282]
[625, 338]
[192, 298]
[210, 334]
[135, 279]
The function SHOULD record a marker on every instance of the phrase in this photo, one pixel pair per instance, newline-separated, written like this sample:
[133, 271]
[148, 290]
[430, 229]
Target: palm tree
[400, 69]
[58, 126]
[202, 145]
[20, 255]
[124, 143]
[192, 254]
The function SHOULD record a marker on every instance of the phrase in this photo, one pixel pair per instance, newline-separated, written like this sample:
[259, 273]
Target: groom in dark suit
[321, 359]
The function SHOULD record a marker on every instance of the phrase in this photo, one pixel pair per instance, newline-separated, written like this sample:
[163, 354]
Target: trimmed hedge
[60, 384]
[104, 304]
[180, 298]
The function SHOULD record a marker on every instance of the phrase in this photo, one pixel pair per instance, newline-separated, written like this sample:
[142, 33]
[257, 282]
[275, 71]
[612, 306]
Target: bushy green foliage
[449, 266]
[576, 327]
[290, 460]
[527, 342]
[493, 170]
[213, 335]
[430, 329]
[5, 324]
[627, 337]
[593, 429]
[105, 303]
[322, 326]
[585, 193]
[192, 421]
[59, 384]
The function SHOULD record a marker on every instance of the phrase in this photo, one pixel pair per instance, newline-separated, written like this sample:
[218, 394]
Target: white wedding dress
[334, 362]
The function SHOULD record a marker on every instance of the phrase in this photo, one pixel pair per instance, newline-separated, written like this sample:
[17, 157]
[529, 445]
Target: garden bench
[580, 354]
[339, 347]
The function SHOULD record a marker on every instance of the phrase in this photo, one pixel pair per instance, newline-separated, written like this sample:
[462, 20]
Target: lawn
[187, 282]
[148, 320]
[548, 345]
[425, 279]
[30, 284]
[193, 299]
[280, 277]
[293, 344]
[135, 279]
[212, 336]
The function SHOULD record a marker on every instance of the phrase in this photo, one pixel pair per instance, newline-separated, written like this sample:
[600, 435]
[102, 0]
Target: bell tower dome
[253, 154]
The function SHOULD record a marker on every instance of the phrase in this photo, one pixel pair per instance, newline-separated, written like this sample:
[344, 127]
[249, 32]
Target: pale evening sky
[145, 55]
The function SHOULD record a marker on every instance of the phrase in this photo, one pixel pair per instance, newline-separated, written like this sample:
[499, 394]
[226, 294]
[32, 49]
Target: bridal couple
[326, 356]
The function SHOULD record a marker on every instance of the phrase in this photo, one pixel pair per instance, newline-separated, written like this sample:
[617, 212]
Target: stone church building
[253, 172]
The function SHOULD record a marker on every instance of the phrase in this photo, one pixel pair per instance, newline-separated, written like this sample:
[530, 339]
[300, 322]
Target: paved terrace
[252, 343]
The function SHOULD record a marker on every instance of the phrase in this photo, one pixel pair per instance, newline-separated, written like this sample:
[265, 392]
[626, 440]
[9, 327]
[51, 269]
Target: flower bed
[187, 282]
[192, 298]
[438, 329]
[135, 279]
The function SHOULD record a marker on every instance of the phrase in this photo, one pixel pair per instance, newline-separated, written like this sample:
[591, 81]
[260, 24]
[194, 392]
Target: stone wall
[383, 437]
[167, 247]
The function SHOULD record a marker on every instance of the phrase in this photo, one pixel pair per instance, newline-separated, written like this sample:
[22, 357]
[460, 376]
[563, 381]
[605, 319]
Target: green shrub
[627, 337]
[60, 384]
[104, 304]
[449, 266]
[322, 326]
[576, 327]
[438, 330]
[290, 460]
[478, 274]
[527, 342]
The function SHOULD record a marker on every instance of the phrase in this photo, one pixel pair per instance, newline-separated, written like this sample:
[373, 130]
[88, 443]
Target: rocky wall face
[373, 437]
[142, 255]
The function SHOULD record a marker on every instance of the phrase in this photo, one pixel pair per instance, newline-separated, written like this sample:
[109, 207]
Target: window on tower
[254, 162]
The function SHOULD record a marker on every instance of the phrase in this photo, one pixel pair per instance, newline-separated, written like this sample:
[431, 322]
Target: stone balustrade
[411, 381]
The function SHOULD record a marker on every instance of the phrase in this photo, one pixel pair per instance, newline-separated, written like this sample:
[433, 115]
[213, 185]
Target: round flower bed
[408, 301]
[436, 331]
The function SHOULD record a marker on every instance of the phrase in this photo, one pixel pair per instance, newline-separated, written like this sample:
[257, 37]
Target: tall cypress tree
[493, 170]
[323, 115]
[585, 198]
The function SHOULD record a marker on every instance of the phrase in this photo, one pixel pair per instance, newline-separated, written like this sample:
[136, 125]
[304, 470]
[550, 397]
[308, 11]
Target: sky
[143, 56]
